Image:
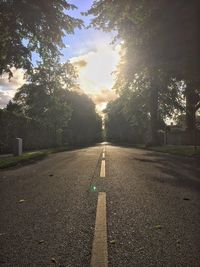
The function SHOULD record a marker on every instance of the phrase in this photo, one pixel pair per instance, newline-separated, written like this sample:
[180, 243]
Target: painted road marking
[99, 246]
[103, 155]
[103, 168]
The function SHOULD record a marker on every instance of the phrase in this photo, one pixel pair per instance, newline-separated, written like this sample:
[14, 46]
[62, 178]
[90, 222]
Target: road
[152, 216]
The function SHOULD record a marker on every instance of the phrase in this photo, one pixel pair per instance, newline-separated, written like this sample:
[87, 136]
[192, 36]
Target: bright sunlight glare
[96, 69]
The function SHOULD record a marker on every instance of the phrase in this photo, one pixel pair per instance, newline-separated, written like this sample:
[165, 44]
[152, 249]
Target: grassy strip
[23, 159]
[28, 157]
[180, 150]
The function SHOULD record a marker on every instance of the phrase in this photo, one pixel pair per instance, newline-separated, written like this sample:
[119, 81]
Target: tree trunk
[154, 115]
[55, 134]
[190, 115]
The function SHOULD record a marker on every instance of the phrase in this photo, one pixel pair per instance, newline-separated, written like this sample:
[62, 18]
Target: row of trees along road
[158, 75]
[49, 109]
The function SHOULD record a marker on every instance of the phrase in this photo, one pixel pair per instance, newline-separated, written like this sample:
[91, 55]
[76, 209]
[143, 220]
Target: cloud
[4, 99]
[80, 63]
[8, 87]
[96, 67]
[95, 62]
[15, 82]
[85, 50]
[104, 96]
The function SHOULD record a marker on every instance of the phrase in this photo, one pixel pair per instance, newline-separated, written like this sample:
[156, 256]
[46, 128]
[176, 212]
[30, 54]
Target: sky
[91, 53]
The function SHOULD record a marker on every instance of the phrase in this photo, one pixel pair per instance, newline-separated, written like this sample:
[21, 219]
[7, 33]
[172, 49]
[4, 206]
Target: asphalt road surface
[48, 209]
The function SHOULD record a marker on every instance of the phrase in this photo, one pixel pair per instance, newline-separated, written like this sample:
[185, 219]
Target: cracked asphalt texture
[153, 209]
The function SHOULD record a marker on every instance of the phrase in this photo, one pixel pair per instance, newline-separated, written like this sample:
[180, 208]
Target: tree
[32, 26]
[117, 126]
[44, 96]
[148, 29]
[46, 111]
[85, 125]
[129, 19]
[192, 95]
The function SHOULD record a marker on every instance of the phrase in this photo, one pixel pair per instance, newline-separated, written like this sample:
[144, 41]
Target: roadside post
[18, 147]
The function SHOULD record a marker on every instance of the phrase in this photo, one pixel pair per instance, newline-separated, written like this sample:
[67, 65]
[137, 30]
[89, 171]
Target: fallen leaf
[53, 260]
[158, 226]
[2, 234]
[21, 200]
[186, 198]
[113, 241]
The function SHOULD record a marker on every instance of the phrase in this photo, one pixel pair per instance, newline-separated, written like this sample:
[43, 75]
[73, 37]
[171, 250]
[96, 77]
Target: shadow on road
[178, 171]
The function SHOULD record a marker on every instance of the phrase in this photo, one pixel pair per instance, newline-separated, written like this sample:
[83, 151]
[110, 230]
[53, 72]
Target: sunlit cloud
[104, 96]
[8, 87]
[4, 99]
[80, 63]
[95, 70]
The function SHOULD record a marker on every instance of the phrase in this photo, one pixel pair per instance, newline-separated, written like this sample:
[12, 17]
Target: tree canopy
[47, 111]
[32, 26]
[161, 43]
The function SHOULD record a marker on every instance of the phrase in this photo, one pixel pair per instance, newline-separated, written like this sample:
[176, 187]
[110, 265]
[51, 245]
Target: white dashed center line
[103, 165]
[103, 169]
[99, 247]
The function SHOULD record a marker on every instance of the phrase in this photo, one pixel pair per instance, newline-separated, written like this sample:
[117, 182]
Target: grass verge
[29, 157]
[181, 150]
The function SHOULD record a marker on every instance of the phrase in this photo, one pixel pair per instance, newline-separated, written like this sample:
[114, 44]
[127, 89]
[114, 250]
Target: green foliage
[46, 112]
[23, 159]
[32, 26]
[124, 123]
[29, 157]
[148, 29]
[44, 109]
[161, 43]
[44, 97]
[85, 125]
[181, 150]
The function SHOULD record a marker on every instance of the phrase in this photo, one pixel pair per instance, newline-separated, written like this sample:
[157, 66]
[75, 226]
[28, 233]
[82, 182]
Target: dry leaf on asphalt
[2, 234]
[158, 226]
[53, 260]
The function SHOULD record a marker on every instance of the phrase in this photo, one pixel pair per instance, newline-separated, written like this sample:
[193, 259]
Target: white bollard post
[18, 147]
